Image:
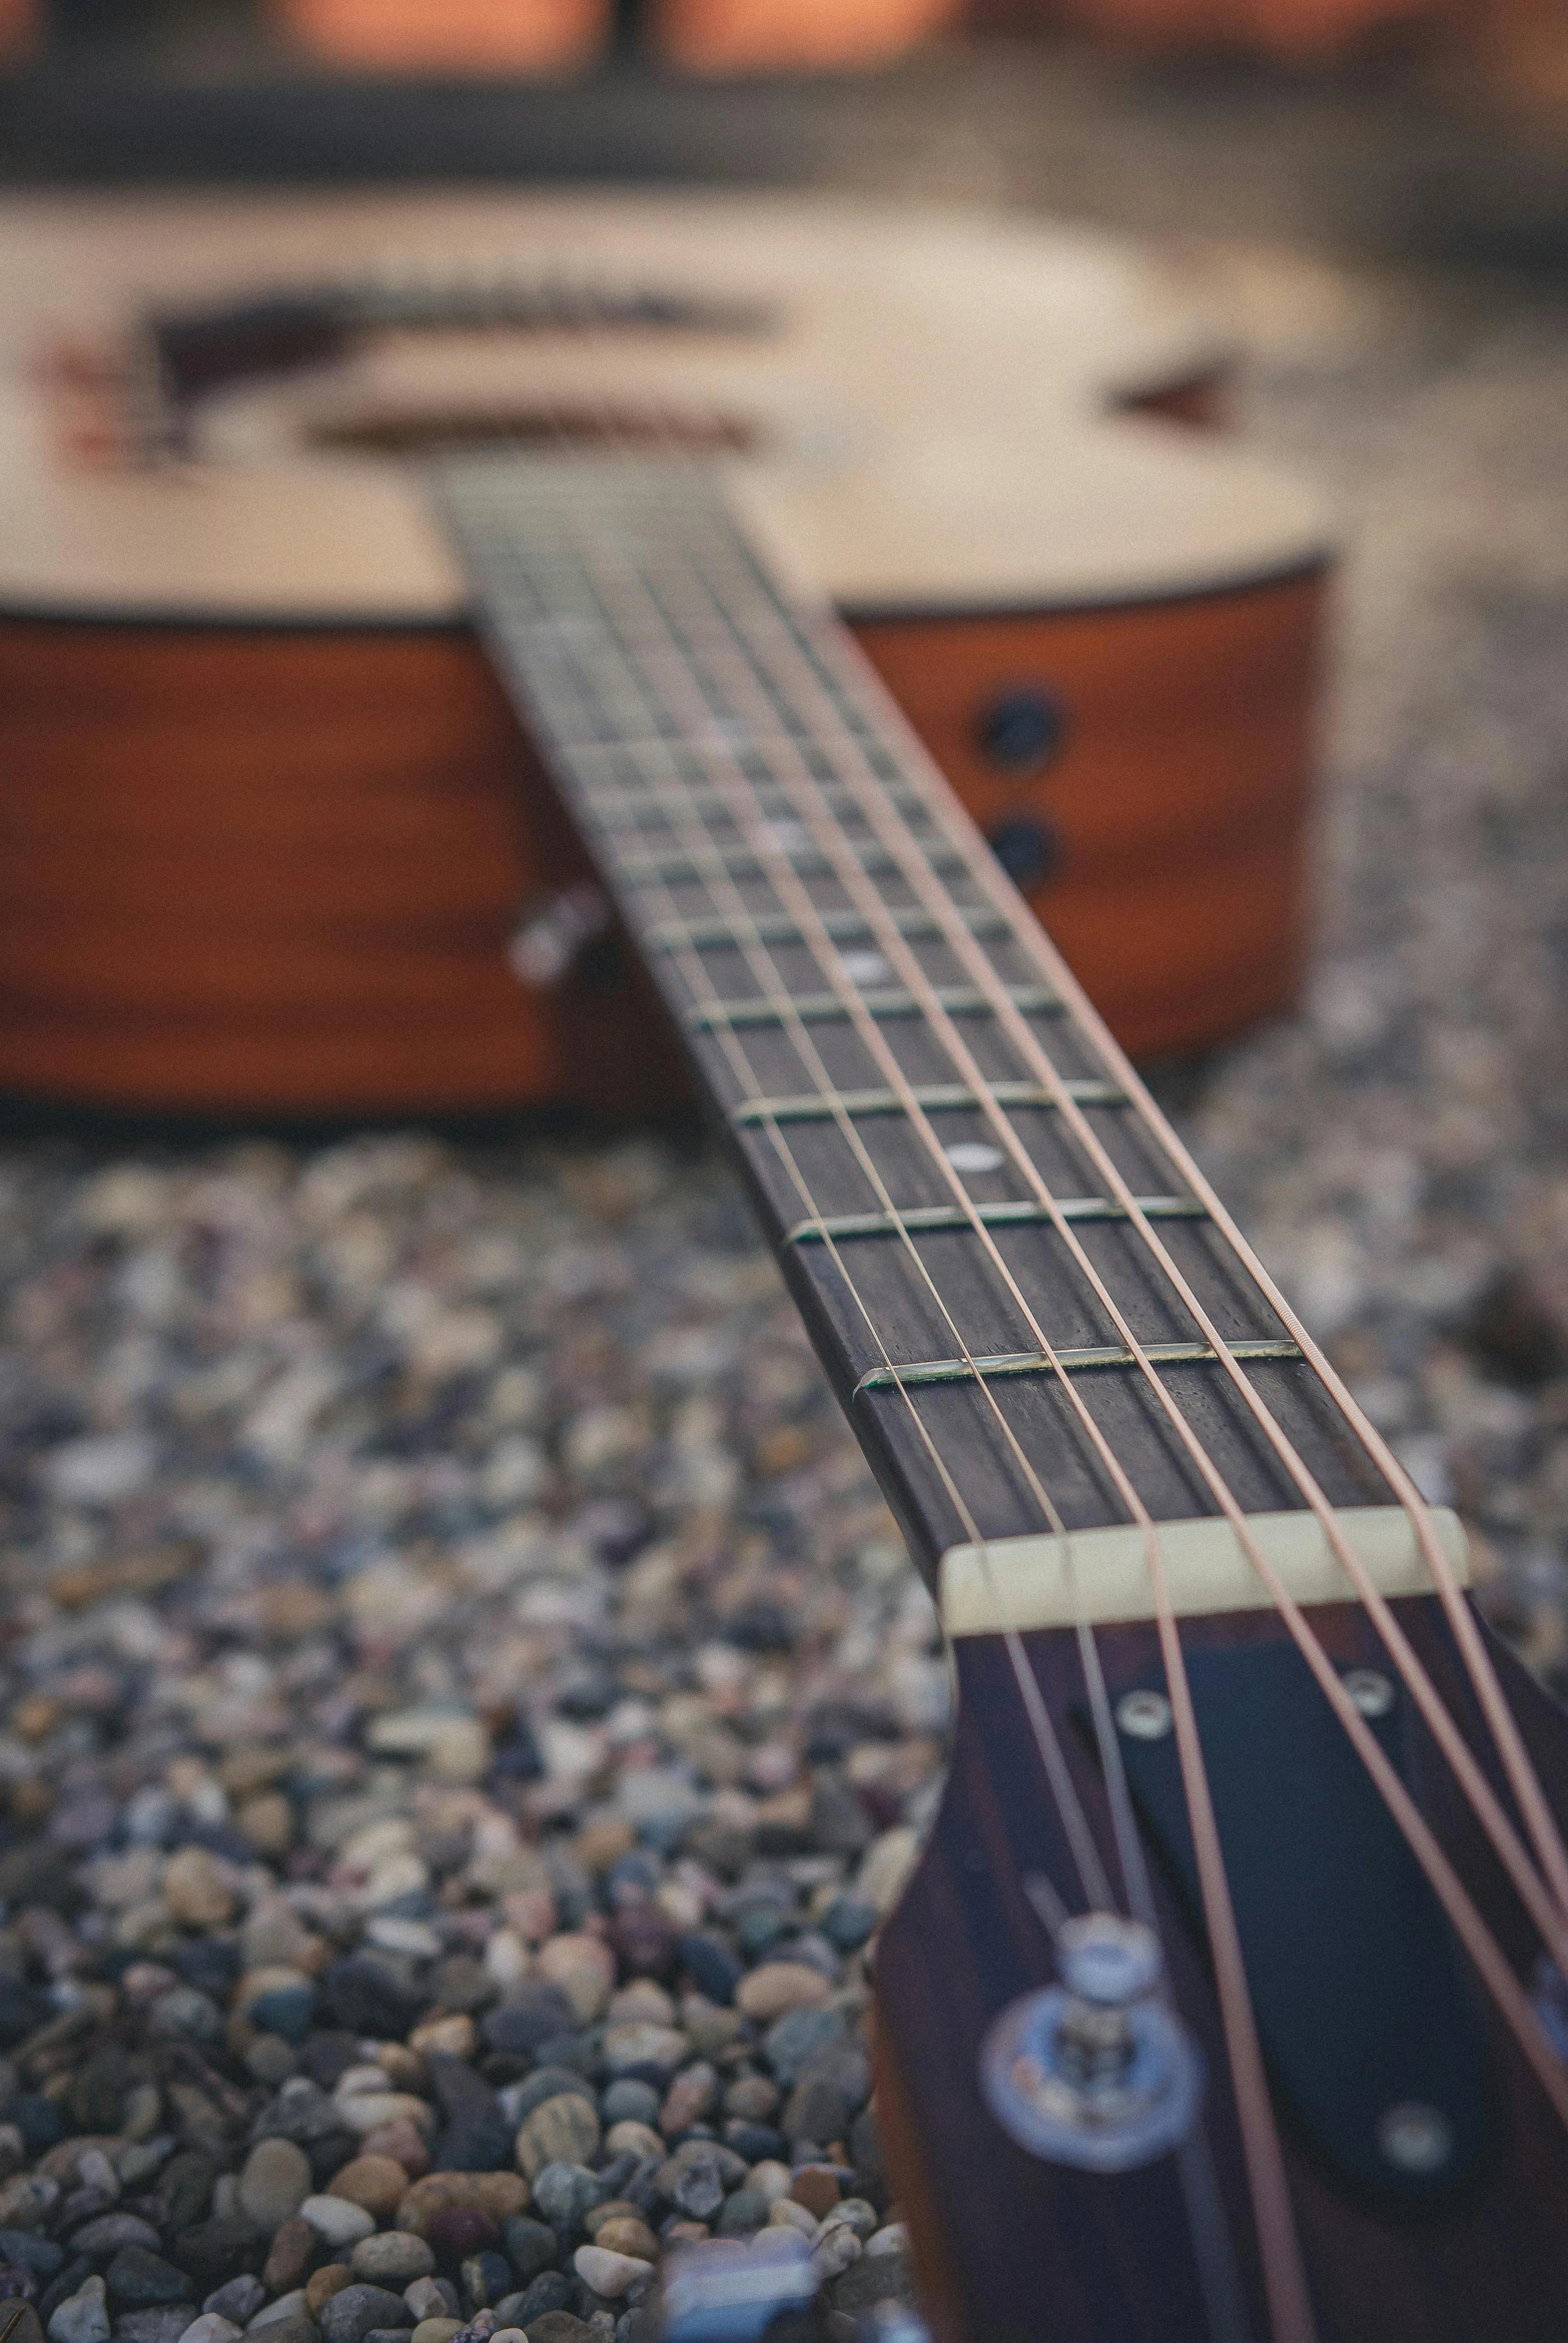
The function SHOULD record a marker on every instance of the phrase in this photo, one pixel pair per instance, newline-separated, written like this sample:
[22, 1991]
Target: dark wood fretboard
[811, 901]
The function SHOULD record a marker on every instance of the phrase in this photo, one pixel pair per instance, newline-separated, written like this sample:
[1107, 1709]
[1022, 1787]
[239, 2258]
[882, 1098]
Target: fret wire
[1075, 1362]
[1456, 1752]
[1543, 1829]
[831, 1009]
[844, 928]
[1285, 2277]
[1278, 2253]
[1013, 1214]
[936, 1098]
[1027, 1683]
[1285, 2280]
[776, 1137]
[1479, 1942]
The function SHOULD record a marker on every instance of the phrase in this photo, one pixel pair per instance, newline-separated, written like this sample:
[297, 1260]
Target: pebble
[239, 2300]
[336, 2221]
[352, 2313]
[288, 2306]
[197, 1889]
[289, 2255]
[392, 2259]
[329, 2279]
[83, 2317]
[211, 2327]
[275, 2183]
[610, 2274]
[583, 1968]
[140, 2279]
[564, 2130]
[779, 1987]
[378, 2183]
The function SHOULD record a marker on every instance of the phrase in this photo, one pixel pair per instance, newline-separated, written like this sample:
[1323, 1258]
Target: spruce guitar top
[266, 832]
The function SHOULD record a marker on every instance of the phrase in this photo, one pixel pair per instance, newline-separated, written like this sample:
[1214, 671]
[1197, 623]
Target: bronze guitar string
[1215, 2257]
[916, 976]
[1551, 1923]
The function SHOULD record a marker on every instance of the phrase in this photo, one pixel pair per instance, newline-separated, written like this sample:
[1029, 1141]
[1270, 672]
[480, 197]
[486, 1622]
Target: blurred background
[416, 1548]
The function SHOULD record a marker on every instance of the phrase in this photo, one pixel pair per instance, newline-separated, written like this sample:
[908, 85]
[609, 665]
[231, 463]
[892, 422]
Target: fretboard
[879, 1023]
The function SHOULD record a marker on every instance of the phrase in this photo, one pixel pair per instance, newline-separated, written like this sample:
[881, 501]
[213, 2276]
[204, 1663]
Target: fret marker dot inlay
[864, 967]
[974, 1155]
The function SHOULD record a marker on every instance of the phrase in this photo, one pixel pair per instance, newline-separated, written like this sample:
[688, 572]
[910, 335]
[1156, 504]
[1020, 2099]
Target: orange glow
[453, 36]
[749, 36]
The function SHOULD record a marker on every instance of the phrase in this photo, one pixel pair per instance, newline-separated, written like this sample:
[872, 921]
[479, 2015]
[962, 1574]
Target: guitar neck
[989, 1229]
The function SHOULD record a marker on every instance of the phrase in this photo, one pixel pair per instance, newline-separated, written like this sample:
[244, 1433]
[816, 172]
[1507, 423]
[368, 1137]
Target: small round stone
[275, 2182]
[627, 2234]
[83, 2317]
[323, 2283]
[564, 2130]
[392, 2259]
[210, 2327]
[585, 1969]
[197, 1889]
[336, 2221]
[608, 2273]
[815, 2187]
[779, 1987]
[375, 2183]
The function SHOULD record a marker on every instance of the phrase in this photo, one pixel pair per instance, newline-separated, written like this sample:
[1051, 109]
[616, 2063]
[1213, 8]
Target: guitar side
[257, 868]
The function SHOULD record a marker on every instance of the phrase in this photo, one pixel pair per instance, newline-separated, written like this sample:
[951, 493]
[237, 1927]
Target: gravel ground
[465, 1705]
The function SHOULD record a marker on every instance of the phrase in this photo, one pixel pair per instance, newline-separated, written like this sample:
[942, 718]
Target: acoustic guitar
[1227, 1997]
[267, 832]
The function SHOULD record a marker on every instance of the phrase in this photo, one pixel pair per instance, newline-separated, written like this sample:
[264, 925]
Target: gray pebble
[239, 2300]
[348, 2318]
[392, 2259]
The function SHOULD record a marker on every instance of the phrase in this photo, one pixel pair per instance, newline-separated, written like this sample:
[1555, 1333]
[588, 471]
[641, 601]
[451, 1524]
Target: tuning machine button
[1095, 2072]
[1028, 848]
[1022, 729]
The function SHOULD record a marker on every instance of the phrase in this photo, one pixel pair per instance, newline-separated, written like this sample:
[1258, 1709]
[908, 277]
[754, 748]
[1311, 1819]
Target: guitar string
[1498, 1975]
[1284, 2276]
[1523, 1779]
[1217, 2261]
[1125, 1829]
[1218, 2267]
[1080, 1835]
[1436, 1714]
[1494, 1966]
[1214, 2254]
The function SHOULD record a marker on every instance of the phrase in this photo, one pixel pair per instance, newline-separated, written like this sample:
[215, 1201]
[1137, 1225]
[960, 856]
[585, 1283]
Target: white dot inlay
[864, 967]
[974, 1155]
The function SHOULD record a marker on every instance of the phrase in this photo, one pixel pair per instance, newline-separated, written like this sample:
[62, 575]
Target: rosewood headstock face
[1427, 2174]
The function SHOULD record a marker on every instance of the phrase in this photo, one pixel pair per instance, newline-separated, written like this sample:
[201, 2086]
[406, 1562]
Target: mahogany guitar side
[252, 868]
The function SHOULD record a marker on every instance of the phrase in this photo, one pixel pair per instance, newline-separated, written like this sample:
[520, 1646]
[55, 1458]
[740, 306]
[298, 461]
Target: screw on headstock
[1094, 2070]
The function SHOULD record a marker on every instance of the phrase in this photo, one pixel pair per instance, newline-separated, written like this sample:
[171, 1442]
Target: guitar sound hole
[416, 432]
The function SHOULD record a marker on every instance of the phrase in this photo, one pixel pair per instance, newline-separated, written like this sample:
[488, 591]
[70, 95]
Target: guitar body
[269, 826]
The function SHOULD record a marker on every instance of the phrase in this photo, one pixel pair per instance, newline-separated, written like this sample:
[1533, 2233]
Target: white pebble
[608, 2273]
[336, 2219]
[287, 2306]
[83, 2317]
[211, 2327]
